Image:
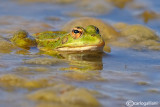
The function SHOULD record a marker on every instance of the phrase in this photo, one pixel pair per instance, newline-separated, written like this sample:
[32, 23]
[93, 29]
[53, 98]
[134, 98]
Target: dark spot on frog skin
[78, 28]
[93, 35]
[65, 39]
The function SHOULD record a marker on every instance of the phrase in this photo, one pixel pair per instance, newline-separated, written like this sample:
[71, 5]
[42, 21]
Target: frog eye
[97, 30]
[77, 32]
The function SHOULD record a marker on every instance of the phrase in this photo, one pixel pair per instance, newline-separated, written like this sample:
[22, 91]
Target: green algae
[15, 81]
[120, 3]
[66, 95]
[149, 15]
[6, 46]
[153, 90]
[136, 37]
[80, 96]
[28, 69]
[23, 52]
[84, 76]
[43, 61]
[142, 83]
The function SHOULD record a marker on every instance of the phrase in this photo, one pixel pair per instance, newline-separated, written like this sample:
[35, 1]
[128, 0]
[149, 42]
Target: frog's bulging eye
[92, 29]
[77, 32]
[97, 29]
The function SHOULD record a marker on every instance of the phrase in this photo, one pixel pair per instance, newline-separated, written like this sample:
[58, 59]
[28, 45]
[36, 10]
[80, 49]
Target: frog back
[49, 39]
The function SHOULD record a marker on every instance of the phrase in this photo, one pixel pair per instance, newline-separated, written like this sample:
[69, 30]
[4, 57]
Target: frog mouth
[97, 47]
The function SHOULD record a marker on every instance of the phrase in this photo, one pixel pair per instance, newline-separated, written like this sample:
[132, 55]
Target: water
[124, 74]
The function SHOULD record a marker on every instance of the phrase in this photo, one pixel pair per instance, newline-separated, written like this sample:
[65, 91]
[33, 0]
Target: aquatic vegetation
[43, 61]
[66, 95]
[53, 104]
[138, 33]
[85, 76]
[120, 26]
[23, 52]
[52, 18]
[6, 46]
[28, 69]
[153, 90]
[142, 83]
[137, 5]
[80, 96]
[137, 37]
[15, 81]
[120, 3]
[149, 15]
[11, 80]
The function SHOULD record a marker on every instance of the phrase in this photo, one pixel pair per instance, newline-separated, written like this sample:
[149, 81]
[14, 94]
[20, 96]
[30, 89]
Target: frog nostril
[93, 35]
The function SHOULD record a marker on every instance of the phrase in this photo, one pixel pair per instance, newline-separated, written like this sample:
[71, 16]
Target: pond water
[29, 78]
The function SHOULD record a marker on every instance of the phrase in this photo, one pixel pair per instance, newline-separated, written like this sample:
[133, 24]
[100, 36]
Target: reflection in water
[81, 61]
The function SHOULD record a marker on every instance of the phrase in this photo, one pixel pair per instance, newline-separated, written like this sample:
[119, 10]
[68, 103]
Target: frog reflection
[82, 61]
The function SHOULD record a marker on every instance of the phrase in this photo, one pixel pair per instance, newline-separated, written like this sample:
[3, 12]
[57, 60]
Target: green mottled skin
[22, 39]
[53, 40]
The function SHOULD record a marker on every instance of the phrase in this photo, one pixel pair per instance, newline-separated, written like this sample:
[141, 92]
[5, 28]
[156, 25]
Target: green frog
[79, 39]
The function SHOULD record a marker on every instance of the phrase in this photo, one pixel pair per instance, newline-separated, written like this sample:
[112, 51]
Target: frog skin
[79, 39]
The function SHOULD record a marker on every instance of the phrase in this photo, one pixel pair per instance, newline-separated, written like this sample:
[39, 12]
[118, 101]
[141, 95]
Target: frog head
[82, 39]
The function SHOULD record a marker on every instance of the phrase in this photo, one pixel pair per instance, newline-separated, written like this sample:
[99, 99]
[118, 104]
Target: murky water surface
[29, 78]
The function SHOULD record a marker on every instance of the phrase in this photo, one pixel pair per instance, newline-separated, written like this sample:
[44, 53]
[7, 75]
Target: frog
[78, 40]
